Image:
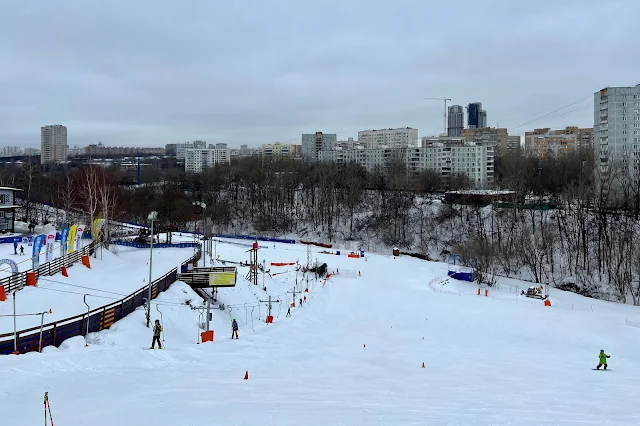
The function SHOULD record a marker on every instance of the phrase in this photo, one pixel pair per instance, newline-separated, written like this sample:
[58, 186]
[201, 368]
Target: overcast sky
[147, 73]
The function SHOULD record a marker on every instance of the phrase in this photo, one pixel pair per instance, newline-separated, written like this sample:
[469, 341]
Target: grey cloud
[150, 73]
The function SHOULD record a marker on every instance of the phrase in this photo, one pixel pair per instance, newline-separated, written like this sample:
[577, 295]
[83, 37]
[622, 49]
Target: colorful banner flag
[72, 239]
[37, 246]
[79, 233]
[50, 241]
[64, 236]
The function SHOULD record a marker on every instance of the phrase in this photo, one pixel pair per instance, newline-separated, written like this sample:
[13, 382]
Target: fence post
[55, 326]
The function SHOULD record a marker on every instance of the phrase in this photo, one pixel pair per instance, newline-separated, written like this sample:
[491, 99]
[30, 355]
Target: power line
[552, 112]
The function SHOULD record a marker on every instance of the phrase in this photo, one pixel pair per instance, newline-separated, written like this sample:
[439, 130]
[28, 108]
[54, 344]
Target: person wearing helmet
[234, 329]
[603, 359]
[157, 329]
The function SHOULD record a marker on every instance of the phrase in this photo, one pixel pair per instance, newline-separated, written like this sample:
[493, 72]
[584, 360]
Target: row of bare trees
[568, 232]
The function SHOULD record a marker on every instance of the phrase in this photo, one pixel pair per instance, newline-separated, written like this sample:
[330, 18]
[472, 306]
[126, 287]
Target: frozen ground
[487, 360]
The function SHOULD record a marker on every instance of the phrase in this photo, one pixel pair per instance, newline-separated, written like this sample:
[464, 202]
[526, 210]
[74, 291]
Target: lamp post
[200, 207]
[152, 216]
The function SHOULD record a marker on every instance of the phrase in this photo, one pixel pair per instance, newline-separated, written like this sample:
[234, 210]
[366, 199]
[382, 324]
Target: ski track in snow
[488, 362]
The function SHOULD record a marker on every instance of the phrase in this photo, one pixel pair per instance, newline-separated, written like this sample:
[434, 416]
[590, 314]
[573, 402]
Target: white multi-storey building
[53, 144]
[392, 138]
[617, 137]
[181, 148]
[446, 156]
[197, 159]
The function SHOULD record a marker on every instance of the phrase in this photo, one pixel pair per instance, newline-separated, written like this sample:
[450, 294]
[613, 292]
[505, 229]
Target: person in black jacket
[157, 329]
[234, 329]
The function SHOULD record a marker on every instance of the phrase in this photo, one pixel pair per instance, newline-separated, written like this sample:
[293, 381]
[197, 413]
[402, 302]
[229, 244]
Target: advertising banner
[50, 242]
[38, 242]
[71, 243]
[64, 236]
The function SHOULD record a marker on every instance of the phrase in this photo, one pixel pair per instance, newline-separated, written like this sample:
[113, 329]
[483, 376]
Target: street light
[200, 208]
[152, 216]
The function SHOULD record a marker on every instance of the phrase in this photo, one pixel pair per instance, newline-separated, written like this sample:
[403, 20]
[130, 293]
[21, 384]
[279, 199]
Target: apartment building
[498, 137]
[100, 150]
[53, 144]
[617, 137]
[546, 143]
[271, 150]
[446, 156]
[391, 138]
[514, 144]
[313, 143]
[10, 151]
[181, 148]
[198, 159]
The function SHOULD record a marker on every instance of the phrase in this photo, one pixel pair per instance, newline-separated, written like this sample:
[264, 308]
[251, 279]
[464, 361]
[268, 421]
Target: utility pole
[209, 297]
[445, 109]
[294, 296]
[269, 304]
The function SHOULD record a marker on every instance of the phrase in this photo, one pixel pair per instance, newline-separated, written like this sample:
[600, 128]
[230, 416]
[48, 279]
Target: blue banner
[37, 245]
[64, 236]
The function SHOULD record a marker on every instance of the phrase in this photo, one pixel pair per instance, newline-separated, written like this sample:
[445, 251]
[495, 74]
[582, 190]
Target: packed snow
[352, 354]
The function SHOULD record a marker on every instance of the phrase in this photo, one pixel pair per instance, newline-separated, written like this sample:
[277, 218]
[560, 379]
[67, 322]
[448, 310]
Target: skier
[234, 329]
[603, 359]
[157, 329]
[21, 250]
[301, 301]
[289, 312]
[15, 247]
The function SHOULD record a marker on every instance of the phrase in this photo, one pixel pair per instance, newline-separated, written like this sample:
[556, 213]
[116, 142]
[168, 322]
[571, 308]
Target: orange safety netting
[282, 263]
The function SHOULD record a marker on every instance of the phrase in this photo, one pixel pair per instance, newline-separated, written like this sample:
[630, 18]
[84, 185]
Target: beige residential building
[546, 143]
[514, 144]
[406, 137]
[496, 136]
[280, 150]
[53, 144]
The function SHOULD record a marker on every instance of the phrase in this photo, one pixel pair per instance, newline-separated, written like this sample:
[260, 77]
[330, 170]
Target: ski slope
[488, 360]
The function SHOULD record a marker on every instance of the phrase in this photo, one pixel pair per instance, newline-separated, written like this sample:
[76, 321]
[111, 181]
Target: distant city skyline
[279, 80]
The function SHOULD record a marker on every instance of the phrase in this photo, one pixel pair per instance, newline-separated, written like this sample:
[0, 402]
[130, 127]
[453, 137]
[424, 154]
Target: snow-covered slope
[352, 355]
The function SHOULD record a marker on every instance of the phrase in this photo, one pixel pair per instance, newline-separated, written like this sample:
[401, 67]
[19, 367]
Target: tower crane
[445, 109]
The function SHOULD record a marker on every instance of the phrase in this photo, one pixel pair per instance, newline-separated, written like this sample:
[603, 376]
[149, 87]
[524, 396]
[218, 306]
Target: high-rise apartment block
[455, 121]
[389, 138]
[198, 159]
[514, 144]
[617, 137]
[181, 148]
[312, 143]
[53, 144]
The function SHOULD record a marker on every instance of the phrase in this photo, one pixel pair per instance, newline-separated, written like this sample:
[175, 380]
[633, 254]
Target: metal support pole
[209, 308]
[152, 217]
[88, 310]
[41, 325]
[264, 271]
[15, 329]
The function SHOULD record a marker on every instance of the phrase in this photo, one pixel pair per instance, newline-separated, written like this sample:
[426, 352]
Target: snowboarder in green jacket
[603, 359]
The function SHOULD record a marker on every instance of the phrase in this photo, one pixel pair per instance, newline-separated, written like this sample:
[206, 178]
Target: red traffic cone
[246, 375]
[64, 272]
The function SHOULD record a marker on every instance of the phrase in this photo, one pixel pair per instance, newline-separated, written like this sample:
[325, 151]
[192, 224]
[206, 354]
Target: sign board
[222, 279]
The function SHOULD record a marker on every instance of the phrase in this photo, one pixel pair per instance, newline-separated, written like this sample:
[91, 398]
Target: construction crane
[445, 109]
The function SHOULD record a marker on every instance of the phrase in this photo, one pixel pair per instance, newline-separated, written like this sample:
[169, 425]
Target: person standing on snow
[157, 329]
[21, 250]
[234, 329]
[15, 247]
[289, 312]
[603, 359]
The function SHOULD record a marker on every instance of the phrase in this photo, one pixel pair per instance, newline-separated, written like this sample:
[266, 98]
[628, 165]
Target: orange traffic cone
[246, 375]
[64, 271]
[423, 365]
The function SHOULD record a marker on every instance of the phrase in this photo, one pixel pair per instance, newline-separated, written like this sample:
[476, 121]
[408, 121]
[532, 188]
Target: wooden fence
[99, 319]
[19, 280]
